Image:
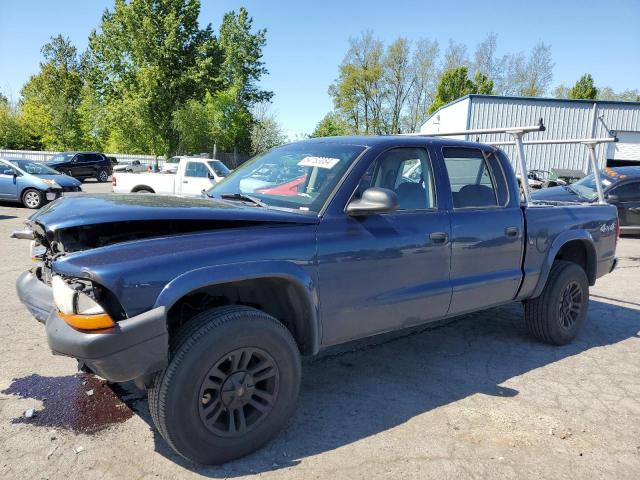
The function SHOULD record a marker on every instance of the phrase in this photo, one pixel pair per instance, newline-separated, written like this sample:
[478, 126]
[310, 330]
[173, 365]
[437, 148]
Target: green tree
[584, 88]
[453, 84]
[148, 59]
[242, 57]
[266, 132]
[331, 125]
[399, 79]
[358, 92]
[12, 135]
[221, 119]
[194, 127]
[230, 119]
[51, 98]
[483, 84]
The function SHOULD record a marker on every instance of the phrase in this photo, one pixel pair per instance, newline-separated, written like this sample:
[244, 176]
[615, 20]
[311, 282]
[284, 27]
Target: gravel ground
[475, 398]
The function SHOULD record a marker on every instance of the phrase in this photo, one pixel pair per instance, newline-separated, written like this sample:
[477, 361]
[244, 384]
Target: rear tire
[102, 175]
[32, 198]
[556, 316]
[230, 386]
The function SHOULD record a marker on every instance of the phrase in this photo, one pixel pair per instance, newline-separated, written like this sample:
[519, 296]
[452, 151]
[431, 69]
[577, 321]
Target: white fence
[43, 156]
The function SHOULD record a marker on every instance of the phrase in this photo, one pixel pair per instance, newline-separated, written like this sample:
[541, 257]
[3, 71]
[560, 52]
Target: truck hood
[89, 221]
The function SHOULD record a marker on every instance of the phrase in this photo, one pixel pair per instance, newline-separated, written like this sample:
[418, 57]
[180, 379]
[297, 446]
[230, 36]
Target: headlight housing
[51, 183]
[78, 309]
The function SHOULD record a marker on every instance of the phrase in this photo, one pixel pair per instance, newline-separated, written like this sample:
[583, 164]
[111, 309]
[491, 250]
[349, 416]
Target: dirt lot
[475, 398]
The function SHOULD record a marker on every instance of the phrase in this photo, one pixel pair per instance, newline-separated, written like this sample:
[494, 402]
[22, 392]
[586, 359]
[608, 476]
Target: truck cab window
[472, 184]
[406, 171]
[196, 169]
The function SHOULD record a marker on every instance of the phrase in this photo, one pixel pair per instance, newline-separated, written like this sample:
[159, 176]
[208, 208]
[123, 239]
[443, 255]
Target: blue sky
[308, 39]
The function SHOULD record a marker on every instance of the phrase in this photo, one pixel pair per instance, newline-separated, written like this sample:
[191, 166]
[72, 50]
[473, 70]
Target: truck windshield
[300, 176]
[219, 167]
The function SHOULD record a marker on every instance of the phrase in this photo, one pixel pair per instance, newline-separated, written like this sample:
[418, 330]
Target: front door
[487, 231]
[196, 179]
[82, 165]
[382, 272]
[8, 182]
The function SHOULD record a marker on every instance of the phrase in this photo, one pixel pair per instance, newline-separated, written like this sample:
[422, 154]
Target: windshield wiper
[243, 198]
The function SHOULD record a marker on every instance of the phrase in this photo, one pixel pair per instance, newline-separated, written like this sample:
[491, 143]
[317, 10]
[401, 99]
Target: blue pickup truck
[209, 302]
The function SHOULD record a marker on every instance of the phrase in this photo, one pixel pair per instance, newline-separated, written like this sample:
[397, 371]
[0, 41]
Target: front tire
[556, 316]
[32, 198]
[230, 386]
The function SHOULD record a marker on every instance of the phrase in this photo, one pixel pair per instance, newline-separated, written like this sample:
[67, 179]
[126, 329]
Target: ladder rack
[518, 133]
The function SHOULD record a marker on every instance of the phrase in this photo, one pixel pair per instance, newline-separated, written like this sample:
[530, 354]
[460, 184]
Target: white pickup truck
[193, 175]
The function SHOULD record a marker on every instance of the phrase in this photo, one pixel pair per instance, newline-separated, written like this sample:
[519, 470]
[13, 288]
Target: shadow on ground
[369, 387]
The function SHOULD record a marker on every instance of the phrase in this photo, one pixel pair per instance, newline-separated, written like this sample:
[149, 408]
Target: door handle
[439, 238]
[185, 181]
[511, 232]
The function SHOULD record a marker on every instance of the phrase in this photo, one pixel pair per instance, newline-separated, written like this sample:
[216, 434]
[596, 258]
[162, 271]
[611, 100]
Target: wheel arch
[575, 246]
[137, 188]
[279, 288]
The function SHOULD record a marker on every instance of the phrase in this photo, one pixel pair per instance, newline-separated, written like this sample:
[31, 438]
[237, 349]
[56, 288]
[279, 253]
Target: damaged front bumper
[133, 350]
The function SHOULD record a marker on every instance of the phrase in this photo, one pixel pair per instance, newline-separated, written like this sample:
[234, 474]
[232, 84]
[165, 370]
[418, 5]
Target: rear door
[195, 179]
[486, 230]
[382, 272]
[628, 203]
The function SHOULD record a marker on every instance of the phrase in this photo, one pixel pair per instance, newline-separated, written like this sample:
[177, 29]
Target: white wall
[450, 119]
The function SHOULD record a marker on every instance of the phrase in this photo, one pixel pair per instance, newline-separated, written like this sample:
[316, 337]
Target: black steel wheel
[230, 386]
[557, 315]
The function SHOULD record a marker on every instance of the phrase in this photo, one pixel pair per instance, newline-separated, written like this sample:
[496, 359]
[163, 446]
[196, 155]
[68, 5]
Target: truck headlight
[78, 309]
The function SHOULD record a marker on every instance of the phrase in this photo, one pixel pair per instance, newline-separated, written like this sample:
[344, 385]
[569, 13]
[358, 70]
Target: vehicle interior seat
[474, 196]
[411, 196]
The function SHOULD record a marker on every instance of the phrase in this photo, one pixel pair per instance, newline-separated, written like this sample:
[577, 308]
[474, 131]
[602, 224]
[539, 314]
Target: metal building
[564, 119]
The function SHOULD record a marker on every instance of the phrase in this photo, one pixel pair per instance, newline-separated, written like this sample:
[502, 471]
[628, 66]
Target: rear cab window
[476, 178]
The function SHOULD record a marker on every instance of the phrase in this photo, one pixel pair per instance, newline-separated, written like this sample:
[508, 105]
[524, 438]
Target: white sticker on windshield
[320, 162]
[605, 182]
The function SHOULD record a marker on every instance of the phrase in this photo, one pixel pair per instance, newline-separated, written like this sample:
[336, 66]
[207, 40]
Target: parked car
[82, 165]
[209, 302]
[621, 188]
[33, 183]
[193, 175]
[132, 167]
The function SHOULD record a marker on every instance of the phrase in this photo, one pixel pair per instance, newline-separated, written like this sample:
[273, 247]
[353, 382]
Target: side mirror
[374, 200]
[612, 198]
